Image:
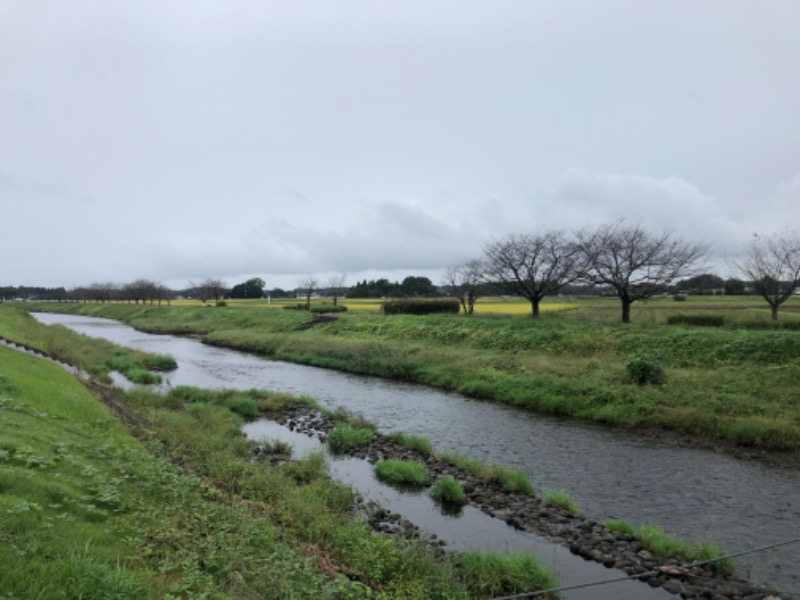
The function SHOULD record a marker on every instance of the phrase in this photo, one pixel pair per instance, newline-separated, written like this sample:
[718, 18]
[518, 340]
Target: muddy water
[470, 529]
[694, 493]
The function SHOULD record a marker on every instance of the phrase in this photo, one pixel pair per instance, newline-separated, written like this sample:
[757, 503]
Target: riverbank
[91, 511]
[731, 389]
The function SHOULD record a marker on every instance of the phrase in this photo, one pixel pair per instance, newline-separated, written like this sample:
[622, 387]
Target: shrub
[401, 471]
[562, 500]
[644, 368]
[221, 303]
[346, 436]
[696, 320]
[679, 298]
[328, 308]
[493, 574]
[421, 306]
[447, 489]
[302, 306]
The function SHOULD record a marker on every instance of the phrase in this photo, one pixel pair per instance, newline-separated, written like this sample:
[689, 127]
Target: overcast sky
[182, 140]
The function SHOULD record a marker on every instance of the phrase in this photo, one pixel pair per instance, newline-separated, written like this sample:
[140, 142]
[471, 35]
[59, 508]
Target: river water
[694, 493]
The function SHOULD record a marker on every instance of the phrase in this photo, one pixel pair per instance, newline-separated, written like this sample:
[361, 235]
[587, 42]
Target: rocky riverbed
[583, 536]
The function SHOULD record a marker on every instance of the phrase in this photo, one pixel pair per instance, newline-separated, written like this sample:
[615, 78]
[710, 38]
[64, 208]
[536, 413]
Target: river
[697, 494]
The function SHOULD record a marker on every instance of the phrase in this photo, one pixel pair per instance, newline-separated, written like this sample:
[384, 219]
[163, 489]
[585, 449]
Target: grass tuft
[401, 471]
[346, 436]
[493, 574]
[562, 500]
[448, 490]
[416, 443]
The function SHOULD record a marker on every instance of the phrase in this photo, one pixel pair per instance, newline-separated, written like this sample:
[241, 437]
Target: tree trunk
[626, 310]
[535, 309]
[774, 310]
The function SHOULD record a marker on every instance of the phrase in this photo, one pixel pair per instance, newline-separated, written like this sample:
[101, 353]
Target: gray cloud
[152, 139]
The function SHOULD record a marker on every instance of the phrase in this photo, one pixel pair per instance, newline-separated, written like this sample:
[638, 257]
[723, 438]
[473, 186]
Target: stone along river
[697, 494]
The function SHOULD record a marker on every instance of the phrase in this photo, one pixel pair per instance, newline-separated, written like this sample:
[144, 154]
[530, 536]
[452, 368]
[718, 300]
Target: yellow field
[490, 305]
[517, 306]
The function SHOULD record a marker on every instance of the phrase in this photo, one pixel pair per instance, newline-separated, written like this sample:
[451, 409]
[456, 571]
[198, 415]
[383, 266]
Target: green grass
[492, 574]
[97, 357]
[471, 465]
[448, 490]
[65, 483]
[417, 443]
[513, 480]
[89, 512]
[398, 471]
[664, 545]
[562, 500]
[346, 436]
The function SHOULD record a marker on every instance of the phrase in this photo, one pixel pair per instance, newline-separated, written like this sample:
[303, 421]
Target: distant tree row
[11, 292]
[623, 259]
[140, 291]
[616, 258]
[412, 286]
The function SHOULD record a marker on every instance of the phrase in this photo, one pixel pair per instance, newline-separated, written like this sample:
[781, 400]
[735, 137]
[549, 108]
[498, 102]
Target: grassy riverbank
[95, 357]
[91, 512]
[737, 383]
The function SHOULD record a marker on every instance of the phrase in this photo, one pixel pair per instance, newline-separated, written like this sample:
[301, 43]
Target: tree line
[615, 258]
[624, 260]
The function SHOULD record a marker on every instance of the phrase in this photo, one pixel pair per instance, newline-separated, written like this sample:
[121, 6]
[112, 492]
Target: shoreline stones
[583, 536]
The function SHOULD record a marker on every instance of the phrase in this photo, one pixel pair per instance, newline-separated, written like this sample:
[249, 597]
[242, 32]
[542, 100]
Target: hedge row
[421, 306]
[697, 320]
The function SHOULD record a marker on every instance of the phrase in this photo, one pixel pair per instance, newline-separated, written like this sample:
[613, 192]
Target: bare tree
[163, 294]
[308, 285]
[209, 289]
[104, 292]
[466, 281]
[773, 265]
[336, 285]
[633, 262]
[532, 265]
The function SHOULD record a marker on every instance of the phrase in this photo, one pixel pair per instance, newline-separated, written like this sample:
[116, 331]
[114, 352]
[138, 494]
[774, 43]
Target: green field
[738, 383]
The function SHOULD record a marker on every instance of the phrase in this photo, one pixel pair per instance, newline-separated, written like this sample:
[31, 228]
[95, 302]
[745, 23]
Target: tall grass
[399, 471]
[493, 574]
